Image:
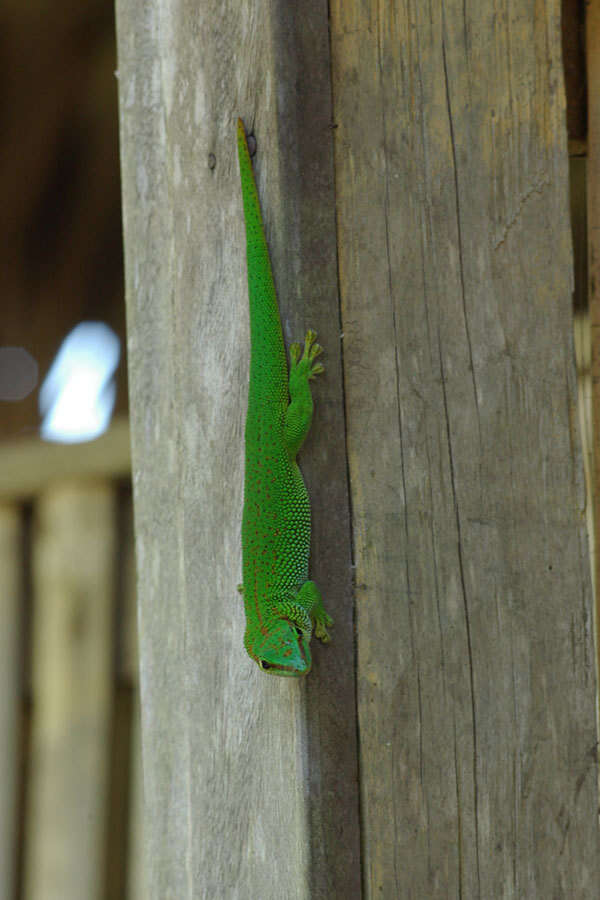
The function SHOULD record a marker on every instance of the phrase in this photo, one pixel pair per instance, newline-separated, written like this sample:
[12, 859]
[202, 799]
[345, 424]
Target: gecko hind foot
[322, 622]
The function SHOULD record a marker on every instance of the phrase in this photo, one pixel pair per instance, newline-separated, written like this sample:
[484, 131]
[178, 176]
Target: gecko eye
[264, 664]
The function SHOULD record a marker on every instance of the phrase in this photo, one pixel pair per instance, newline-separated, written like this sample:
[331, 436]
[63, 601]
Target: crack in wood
[534, 189]
[466, 609]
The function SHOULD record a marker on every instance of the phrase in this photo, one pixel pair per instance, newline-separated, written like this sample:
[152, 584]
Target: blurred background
[70, 776]
[70, 771]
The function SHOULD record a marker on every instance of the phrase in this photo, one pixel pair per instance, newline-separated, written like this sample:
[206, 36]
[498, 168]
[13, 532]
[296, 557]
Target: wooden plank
[593, 226]
[28, 465]
[476, 682]
[269, 764]
[73, 578]
[11, 581]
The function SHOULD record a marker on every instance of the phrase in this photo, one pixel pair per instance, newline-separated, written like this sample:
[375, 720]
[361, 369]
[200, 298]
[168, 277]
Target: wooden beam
[28, 465]
[476, 682]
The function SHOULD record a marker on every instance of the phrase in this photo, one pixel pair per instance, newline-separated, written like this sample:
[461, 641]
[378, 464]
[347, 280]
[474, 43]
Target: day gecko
[282, 606]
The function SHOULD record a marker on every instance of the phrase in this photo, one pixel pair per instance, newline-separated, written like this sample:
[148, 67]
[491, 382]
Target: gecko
[283, 607]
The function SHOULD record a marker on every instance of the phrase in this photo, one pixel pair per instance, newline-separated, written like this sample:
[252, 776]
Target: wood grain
[476, 682]
[592, 27]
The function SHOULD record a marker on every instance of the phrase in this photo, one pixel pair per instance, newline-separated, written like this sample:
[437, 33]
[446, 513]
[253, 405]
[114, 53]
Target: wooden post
[73, 577]
[11, 580]
[251, 782]
[476, 682]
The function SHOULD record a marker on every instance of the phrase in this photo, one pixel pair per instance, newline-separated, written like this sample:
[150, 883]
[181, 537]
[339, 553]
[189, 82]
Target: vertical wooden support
[476, 681]
[250, 781]
[74, 580]
[476, 684]
[11, 580]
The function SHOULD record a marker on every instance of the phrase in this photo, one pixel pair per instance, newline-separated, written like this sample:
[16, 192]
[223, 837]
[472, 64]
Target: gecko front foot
[305, 364]
[303, 369]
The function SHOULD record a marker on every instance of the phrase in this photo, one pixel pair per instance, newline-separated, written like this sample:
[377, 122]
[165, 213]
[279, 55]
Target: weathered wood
[592, 25]
[11, 581]
[476, 682]
[73, 580]
[251, 783]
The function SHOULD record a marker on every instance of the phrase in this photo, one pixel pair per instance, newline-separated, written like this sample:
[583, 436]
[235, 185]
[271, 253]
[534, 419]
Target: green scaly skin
[282, 606]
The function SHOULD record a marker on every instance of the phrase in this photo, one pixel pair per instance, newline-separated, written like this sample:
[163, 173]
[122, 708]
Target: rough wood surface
[476, 683]
[73, 581]
[250, 782]
[11, 601]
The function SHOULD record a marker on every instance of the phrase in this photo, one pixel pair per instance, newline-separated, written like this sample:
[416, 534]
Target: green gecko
[282, 606]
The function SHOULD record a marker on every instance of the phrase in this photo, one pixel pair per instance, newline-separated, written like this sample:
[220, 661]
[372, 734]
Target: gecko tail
[268, 351]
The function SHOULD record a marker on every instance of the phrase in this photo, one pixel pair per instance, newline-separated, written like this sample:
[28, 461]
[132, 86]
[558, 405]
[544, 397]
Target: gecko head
[283, 650]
